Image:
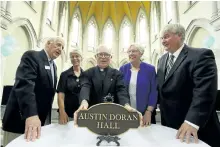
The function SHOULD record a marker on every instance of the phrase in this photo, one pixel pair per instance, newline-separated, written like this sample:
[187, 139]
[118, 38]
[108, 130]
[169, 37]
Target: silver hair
[103, 46]
[54, 39]
[138, 47]
[176, 29]
[75, 50]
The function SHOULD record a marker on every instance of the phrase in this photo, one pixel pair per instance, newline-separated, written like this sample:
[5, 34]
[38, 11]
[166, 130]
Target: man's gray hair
[138, 47]
[108, 50]
[55, 39]
[175, 29]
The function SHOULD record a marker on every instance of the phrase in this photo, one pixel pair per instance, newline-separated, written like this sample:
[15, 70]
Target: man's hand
[32, 128]
[185, 131]
[147, 118]
[63, 117]
[130, 109]
[84, 106]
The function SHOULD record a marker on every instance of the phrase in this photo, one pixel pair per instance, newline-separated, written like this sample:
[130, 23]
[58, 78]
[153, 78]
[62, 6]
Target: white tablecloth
[56, 135]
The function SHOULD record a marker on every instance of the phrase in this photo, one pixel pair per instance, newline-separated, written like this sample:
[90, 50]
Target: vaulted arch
[108, 34]
[142, 31]
[76, 29]
[92, 34]
[126, 35]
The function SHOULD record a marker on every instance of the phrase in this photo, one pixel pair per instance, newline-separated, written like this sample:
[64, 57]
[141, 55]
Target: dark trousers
[153, 117]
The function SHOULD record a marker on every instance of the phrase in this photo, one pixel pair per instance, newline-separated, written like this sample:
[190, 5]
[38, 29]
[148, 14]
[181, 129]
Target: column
[148, 47]
[175, 12]
[3, 7]
[117, 61]
[214, 9]
[218, 5]
[60, 23]
[42, 24]
[68, 46]
[54, 14]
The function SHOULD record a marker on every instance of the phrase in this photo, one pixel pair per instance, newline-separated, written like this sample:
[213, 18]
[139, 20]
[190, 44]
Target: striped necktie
[52, 70]
[169, 65]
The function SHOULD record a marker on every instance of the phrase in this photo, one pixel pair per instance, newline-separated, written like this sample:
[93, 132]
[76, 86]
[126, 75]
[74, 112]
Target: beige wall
[24, 25]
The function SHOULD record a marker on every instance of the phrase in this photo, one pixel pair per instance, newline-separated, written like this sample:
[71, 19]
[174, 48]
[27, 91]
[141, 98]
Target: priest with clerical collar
[103, 81]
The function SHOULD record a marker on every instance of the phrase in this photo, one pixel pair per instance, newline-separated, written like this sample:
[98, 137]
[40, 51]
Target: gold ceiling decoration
[104, 10]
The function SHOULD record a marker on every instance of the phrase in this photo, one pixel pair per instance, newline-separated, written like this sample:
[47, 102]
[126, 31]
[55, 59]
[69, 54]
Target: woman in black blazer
[69, 87]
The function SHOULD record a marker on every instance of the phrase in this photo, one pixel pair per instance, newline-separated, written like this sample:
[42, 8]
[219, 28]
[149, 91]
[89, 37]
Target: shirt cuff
[191, 124]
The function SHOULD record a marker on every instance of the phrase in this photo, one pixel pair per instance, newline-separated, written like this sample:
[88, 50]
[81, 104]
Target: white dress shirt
[176, 54]
[50, 61]
[132, 88]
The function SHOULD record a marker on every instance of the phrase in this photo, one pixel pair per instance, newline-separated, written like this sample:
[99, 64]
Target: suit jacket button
[20, 113]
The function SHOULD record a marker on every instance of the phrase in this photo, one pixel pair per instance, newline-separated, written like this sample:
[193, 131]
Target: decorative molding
[26, 23]
[91, 60]
[123, 61]
[198, 23]
[5, 21]
[50, 26]
[190, 7]
[31, 6]
[216, 22]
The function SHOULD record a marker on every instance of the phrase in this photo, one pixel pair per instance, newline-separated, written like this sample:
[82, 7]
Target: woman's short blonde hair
[138, 47]
[75, 50]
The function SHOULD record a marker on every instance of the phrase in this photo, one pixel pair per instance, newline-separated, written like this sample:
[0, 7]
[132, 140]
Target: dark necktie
[169, 65]
[52, 70]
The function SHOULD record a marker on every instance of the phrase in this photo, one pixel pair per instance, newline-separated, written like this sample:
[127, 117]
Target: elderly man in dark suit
[102, 81]
[187, 84]
[31, 98]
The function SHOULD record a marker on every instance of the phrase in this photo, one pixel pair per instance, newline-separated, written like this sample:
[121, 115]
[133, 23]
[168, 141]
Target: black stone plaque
[108, 119]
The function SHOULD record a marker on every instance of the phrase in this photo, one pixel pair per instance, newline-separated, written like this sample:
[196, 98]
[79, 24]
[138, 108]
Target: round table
[68, 135]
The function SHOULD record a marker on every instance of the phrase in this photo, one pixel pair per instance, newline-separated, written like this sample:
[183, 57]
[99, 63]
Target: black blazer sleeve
[85, 87]
[25, 83]
[158, 95]
[121, 90]
[204, 76]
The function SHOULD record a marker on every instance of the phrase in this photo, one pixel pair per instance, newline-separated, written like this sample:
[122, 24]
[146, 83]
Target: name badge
[47, 67]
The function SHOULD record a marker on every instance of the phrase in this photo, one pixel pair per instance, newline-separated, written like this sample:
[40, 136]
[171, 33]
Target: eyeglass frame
[132, 51]
[105, 55]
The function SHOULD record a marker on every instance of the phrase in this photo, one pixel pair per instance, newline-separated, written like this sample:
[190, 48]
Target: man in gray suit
[187, 84]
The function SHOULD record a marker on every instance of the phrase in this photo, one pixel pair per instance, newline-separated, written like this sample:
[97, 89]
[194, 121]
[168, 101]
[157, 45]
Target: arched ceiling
[103, 10]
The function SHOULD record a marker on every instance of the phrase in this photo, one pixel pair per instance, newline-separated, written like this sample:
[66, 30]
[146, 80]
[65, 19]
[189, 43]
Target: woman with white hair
[69, 87]
[140, 79]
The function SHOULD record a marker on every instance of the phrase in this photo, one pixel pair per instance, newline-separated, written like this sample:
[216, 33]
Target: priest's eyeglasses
[101, 55]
